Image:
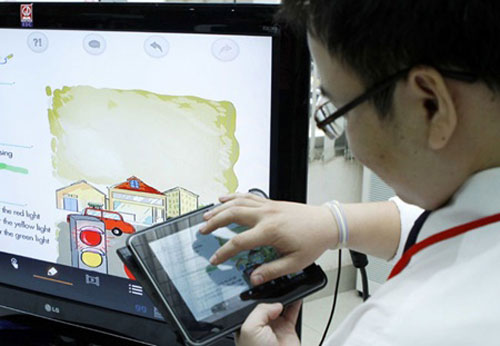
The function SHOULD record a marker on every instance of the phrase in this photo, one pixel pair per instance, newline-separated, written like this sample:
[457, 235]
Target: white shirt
[408, 214]
[449, 294]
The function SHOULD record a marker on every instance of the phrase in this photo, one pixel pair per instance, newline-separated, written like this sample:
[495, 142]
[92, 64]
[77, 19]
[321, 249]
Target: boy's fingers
[241, 215]
[247, 240]
[274, 269]
[292, 312]
[261, 316]
[240, 202]
[247, 195]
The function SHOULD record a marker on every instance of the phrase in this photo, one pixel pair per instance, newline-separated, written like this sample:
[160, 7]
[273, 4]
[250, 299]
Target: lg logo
[53, 309]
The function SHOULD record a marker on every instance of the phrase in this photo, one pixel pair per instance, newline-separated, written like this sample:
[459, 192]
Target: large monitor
[115, 117]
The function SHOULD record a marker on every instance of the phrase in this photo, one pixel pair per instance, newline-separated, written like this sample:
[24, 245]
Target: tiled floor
[316, 313]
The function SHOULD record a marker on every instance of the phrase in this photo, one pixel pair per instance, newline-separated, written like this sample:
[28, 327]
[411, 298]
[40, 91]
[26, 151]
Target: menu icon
[135, 289]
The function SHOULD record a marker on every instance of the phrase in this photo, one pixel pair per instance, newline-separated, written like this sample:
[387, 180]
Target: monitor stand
[21, 329]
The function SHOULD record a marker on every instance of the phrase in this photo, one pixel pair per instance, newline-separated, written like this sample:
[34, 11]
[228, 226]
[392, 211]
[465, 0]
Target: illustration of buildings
[78, 196]
[138, 202]
[180, 201]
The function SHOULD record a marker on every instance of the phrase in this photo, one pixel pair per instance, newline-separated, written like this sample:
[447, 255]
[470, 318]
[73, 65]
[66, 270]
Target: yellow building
[78, 196]
[180, 201]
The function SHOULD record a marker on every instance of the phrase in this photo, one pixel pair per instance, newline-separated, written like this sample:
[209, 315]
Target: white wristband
[339, 216]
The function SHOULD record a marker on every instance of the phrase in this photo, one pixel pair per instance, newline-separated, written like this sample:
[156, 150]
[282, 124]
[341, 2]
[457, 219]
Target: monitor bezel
[289, 127]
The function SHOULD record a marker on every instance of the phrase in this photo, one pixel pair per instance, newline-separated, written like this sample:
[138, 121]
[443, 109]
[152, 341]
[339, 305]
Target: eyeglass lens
[333, 129]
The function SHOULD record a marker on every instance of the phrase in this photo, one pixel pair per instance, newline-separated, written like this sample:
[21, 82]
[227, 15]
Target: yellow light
[91, 259]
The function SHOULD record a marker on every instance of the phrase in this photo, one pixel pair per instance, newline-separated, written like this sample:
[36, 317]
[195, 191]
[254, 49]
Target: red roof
[139, 186]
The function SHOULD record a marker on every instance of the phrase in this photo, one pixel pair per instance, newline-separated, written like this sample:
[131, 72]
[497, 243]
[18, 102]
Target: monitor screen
[108, 129]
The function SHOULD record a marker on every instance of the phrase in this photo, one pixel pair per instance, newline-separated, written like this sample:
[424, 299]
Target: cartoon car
[113, 220]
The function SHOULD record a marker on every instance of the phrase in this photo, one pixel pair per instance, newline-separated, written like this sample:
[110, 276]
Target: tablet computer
[207, 302]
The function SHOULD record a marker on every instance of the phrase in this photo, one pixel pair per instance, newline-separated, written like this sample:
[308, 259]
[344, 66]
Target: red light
[91, 238]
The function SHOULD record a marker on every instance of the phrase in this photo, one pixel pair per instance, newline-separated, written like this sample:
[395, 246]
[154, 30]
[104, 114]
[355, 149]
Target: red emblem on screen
[27, 15]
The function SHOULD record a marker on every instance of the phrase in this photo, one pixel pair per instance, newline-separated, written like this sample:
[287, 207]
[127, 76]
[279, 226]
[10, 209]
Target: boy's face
[365, 131]
[394, 147]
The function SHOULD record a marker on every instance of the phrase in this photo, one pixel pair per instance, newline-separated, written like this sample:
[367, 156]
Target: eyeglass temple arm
[458, 75]
[367, 95]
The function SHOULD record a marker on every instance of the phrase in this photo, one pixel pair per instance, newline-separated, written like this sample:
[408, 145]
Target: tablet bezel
[199, 332]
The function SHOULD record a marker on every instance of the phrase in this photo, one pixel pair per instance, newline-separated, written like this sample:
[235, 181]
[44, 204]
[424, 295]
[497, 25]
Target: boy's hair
[377, 38]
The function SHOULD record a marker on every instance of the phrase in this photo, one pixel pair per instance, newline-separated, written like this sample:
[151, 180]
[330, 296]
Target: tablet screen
[210, 292]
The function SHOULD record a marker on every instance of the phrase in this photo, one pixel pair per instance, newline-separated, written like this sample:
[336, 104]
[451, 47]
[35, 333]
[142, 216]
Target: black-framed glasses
[329, 119]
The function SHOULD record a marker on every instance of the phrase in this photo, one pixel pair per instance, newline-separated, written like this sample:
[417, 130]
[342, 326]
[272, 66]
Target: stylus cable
[360, 261]
[335, 294]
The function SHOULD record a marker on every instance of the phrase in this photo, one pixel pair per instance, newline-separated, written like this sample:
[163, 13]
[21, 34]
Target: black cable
[335, 293]
[259, 193]
[364, 282]
[360, 261]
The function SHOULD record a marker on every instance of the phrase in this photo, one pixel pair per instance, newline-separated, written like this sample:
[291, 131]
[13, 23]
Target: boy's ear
[437, 103]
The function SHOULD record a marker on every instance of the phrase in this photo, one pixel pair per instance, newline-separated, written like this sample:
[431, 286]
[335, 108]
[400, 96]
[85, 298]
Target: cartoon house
[78, 196]
[180, 201]
[138, 202]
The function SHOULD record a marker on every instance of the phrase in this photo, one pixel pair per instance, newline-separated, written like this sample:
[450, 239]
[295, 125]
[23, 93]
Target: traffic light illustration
[88, 243]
